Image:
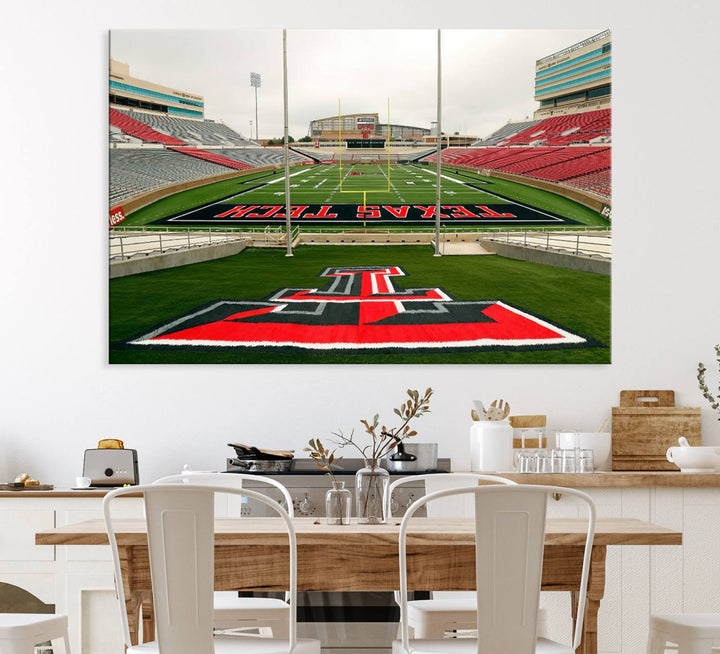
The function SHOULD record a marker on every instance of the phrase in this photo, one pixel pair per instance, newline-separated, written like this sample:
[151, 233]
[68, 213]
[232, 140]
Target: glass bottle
[371, 486]
[338, 501]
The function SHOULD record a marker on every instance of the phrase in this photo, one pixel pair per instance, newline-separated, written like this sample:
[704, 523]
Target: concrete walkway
[449, 248]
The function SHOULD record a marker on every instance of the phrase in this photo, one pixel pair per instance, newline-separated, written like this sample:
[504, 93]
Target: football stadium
[372, 239]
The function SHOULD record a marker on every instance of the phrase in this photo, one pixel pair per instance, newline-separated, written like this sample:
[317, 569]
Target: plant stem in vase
[371, 486]
[338, 503]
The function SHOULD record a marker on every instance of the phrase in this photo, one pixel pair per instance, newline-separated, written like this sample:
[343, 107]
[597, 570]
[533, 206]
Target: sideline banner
[117, 215]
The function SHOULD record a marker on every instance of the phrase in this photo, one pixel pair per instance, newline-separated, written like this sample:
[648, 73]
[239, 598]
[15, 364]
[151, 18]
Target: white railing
[144, 242]
[587, 244]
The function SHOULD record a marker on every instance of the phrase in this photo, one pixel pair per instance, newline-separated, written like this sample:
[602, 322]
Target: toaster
[110, 467]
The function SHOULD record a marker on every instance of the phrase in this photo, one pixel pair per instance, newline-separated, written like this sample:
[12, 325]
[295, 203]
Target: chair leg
[703, 646]
[429, 628]
[17, 646]
[656, 643]
[280, 629]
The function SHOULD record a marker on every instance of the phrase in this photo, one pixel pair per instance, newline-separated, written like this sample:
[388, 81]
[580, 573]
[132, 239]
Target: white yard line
[499, 197]
[337, 188]
[392, 186]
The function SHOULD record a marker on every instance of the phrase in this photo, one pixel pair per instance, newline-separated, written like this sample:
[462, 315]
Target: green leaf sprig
[712, 399]
[323, 457]
[385, 439]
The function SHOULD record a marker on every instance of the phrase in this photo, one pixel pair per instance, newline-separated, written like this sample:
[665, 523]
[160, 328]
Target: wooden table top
[313, 531]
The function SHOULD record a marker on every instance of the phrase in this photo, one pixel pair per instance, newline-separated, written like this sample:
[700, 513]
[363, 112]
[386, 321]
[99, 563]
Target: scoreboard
[365, 143]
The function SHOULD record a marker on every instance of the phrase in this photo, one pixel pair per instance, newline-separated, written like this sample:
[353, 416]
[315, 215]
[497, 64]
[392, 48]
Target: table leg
[148, 616]
[134, 567]
[133, 607]
[596, 591]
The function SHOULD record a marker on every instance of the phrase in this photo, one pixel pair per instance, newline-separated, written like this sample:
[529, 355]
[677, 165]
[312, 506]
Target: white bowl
[599, 442]
[695, 459]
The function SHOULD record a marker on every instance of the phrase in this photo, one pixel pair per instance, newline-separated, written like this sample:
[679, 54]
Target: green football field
[142, 305]
[367, 195]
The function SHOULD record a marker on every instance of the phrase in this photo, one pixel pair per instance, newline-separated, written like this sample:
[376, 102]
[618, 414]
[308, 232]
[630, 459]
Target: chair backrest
[509, 545]
[180, 530]
[443, 480]
[229, 479]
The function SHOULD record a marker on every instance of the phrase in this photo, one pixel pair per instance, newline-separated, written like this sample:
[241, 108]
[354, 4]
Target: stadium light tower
[255, 83]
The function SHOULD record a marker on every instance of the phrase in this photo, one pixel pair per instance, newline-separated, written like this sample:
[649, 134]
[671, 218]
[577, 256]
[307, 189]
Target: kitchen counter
[641, 479]
[57, 493]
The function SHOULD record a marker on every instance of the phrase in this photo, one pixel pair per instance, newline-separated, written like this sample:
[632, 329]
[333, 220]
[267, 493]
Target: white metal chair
[180, 529]
[693, 633]
[231, 611]
[509, 545]
[20, 632]
[445, 611]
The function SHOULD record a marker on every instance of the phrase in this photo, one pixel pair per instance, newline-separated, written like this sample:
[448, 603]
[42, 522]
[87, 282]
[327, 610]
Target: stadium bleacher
[134, 171]
[190, 152]
[258, 157]
[505, 132]
[565, 129]
[213, 157]
[140, 130]
[590, 165]
[191, 132]
[572, 149]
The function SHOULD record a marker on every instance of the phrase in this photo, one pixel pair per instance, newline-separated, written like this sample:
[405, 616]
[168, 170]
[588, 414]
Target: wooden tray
[645, 425]
[45, 487]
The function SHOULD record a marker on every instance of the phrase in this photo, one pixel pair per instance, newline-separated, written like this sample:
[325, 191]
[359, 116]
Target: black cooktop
[345, 467]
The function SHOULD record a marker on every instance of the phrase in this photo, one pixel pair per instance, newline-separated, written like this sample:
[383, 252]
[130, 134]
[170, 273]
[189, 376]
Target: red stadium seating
[212, 157]
[598, 182]
[139, 130]
[563, 130]
[589, 164]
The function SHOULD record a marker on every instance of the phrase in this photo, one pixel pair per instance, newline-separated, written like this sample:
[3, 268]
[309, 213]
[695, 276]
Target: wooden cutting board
[7, 487]
[645, 425]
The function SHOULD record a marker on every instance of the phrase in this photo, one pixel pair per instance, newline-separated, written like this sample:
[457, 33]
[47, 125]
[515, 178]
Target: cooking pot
[262, 465]
[424, 458]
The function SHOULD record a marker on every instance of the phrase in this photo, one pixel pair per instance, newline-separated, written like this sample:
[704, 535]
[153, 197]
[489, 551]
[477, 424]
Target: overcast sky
[488, 75]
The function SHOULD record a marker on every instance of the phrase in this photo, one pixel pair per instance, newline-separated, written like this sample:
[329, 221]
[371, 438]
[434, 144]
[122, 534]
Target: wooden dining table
[251, 554]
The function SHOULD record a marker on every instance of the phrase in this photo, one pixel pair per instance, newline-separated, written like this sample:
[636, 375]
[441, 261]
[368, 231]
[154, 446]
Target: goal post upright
[387, 145]
[340, 141]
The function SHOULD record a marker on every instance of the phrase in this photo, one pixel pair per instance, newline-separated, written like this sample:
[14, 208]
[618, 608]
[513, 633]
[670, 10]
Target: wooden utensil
[498, 410]
[474, 415]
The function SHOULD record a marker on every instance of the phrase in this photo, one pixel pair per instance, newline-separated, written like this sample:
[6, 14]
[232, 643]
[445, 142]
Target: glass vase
[371, 485]
[338, 501]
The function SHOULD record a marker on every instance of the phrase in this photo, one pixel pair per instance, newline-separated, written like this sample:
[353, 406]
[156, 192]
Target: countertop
[642, 479]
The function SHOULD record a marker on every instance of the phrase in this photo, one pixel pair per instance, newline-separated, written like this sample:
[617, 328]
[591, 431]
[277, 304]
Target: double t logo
[360, 309]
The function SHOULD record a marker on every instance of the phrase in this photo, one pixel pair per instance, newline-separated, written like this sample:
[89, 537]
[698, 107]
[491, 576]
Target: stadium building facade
[361, 126]
[575, 79]
[128, 92]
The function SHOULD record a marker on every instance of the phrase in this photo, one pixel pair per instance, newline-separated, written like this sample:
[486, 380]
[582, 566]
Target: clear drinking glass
[585, 461]
[543, 461]
[556, 456]
[568, 461]
[526, 461]
[518, 454]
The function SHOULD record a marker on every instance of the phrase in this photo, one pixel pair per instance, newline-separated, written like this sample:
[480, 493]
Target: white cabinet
[644, 579]
[78, 580]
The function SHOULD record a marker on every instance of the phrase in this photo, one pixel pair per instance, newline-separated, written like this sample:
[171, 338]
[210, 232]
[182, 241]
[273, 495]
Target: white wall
[58, 395]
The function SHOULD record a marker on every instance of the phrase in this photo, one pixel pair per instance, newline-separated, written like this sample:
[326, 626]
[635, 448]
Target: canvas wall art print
[355, 243]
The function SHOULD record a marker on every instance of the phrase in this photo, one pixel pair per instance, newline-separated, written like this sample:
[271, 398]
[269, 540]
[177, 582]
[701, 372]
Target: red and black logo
[360, 309]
